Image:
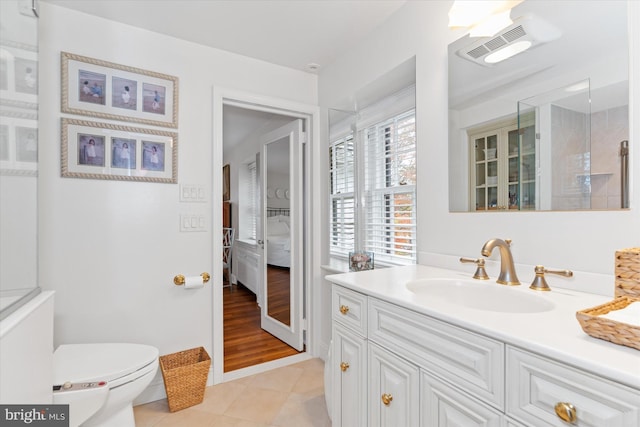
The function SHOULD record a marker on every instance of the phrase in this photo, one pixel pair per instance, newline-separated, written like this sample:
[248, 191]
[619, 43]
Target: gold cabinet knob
[566, 412]
[344, 366]
[387, 398]
[344, 309]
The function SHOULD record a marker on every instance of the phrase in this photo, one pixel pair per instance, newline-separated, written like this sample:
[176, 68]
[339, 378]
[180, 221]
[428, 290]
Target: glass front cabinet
[502, 168]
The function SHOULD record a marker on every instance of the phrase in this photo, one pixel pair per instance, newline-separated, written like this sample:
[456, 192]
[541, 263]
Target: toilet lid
[100, 362]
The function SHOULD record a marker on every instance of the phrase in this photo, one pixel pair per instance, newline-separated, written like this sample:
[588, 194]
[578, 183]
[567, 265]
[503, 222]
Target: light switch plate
[192, 193]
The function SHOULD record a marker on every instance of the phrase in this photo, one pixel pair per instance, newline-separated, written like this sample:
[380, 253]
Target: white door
[281, 234]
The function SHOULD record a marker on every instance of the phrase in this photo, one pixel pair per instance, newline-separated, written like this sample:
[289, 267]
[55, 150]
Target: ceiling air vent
[524, 28]
[514, 34]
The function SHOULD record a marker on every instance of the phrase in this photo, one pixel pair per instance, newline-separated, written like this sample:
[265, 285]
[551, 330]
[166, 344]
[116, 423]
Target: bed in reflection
[278, 237]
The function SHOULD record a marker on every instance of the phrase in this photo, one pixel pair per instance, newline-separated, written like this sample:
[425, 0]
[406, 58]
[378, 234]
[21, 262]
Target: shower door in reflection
[282, 236]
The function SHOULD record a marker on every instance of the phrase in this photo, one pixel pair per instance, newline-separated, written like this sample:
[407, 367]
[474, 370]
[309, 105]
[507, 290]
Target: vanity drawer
[470, 361]
[349, 308]
[536, 385]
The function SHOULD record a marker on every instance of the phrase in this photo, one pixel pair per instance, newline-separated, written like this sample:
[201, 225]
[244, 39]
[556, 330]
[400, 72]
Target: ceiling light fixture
[507, 52]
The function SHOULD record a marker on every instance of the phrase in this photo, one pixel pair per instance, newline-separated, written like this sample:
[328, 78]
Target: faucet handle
[481, 273]
[540, 283]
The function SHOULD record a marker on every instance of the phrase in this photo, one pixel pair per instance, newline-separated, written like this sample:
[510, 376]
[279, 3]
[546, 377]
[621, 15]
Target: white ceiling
[292, 33]
[239, 124]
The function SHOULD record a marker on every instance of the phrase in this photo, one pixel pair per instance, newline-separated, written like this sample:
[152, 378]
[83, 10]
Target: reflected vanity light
[578, 87]
[492, 25]
[483, 16]
[507, 52]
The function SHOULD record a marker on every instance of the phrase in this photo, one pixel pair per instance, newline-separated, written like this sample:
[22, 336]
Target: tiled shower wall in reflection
[581, 168]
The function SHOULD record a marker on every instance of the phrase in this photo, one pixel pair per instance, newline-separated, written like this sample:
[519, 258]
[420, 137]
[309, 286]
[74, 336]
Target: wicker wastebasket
[185, 377]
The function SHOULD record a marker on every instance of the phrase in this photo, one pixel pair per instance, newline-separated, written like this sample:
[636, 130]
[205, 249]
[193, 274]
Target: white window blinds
[342, 186]
[373, 182]
[252, 190]
[389, 193]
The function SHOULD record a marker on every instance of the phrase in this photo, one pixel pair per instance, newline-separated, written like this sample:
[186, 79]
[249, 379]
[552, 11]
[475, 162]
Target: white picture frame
[96, 150]
[105, 90]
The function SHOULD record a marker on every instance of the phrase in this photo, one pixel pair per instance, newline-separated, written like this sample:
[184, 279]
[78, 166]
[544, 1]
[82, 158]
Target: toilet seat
[116, 363]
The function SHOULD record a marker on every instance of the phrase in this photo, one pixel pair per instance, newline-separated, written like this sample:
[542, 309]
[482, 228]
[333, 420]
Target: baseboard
[263, 367]
[323, 352]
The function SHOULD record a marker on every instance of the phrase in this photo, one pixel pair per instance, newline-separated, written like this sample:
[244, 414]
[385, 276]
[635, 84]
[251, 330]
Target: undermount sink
[480, 295]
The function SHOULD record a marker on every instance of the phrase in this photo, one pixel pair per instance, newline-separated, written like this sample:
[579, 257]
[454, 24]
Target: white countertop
[556, 333]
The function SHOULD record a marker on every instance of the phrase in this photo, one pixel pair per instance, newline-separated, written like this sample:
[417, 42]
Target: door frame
[311, 223]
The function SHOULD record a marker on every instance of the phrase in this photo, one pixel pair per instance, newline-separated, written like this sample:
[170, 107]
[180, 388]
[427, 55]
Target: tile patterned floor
[292, 396]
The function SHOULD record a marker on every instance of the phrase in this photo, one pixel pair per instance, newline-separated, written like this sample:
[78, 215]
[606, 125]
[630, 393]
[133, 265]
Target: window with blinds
[389, 193]
[373, 190]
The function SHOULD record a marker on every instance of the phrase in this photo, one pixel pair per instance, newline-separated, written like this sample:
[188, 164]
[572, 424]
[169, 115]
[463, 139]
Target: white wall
[582, 241]
[110, 249]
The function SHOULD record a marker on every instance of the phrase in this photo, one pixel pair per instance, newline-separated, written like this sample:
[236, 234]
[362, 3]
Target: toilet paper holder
[179, 280]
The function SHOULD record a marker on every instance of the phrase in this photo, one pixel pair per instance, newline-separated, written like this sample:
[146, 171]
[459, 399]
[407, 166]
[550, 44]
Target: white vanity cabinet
[409, 369]
[245, 265]
[536, 385]
[386, 360]
[349, 358]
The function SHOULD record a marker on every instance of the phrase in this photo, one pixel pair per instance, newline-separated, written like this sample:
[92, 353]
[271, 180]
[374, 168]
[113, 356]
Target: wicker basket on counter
[607, 329]
[627, 272]
[185, 377]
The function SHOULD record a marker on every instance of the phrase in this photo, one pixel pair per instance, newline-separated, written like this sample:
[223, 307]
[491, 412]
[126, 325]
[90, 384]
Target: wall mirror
[18, 153]
[545, 129]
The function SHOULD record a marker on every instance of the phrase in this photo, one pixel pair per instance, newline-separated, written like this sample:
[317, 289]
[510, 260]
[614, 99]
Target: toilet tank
[26, 353]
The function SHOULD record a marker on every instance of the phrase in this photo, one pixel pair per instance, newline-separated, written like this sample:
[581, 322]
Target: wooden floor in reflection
[245, 343]
[279, 294]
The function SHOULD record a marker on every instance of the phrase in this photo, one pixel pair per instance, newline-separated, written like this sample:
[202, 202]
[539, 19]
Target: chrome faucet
[507, 269]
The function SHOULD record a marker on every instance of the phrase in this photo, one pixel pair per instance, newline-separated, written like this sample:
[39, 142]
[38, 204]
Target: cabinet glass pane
[480, 146]
[480, 174]
[492, 141]
[492, 147]
[513, 170]
[492, 172]
[481, 203]
[492, 195]
[514, 198]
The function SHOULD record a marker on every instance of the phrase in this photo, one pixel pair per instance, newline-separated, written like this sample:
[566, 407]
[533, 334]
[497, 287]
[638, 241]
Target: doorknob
[261, 243]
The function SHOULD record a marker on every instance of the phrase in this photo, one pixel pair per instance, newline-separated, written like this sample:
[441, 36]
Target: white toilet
[123, 370]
